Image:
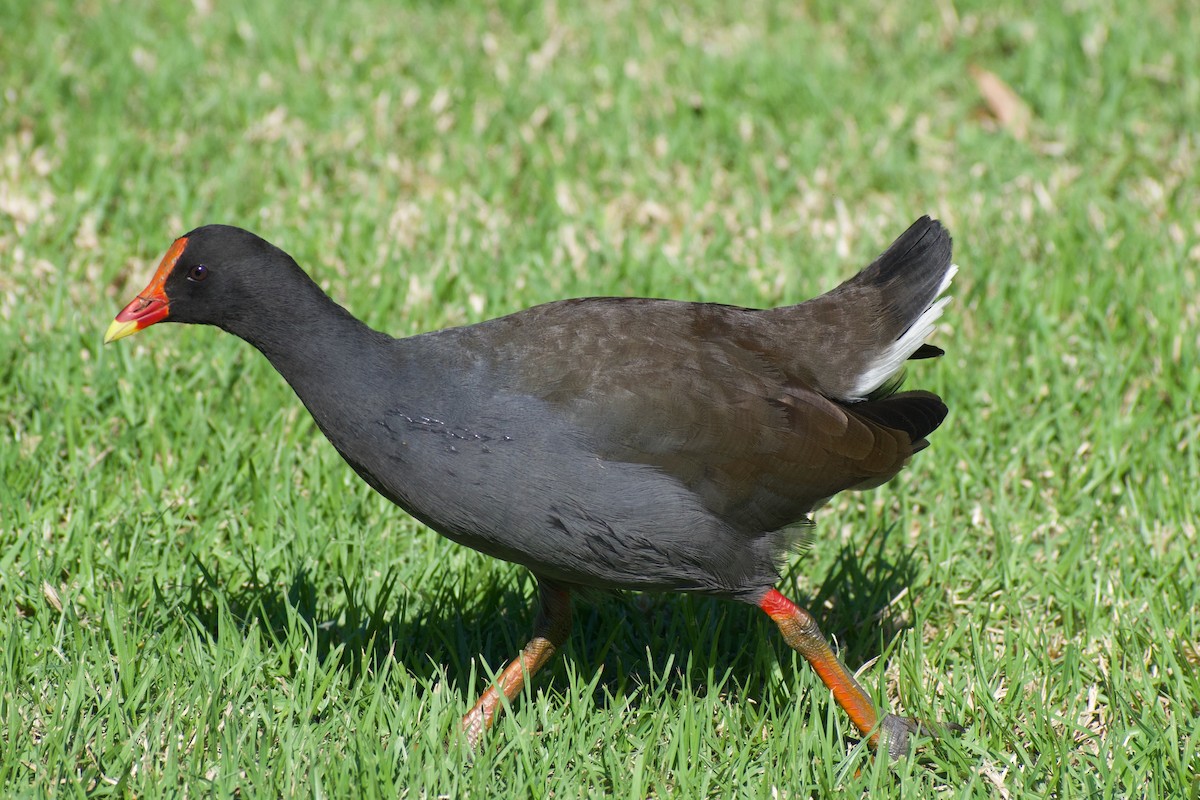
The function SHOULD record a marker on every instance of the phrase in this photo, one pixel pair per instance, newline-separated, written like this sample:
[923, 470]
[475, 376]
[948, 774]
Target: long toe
[896, 733]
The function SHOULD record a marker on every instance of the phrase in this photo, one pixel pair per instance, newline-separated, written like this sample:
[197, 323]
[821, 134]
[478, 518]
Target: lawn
[200, 599]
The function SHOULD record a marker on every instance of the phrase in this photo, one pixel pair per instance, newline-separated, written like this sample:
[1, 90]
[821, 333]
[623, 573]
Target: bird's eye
[197, 273]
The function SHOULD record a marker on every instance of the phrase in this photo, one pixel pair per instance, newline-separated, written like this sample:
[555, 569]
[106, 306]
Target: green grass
[200, 599]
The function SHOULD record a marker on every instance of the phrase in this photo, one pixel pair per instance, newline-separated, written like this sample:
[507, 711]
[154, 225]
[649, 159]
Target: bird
[610, 443]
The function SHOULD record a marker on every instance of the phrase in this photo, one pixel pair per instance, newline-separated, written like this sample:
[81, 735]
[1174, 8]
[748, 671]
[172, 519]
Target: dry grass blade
[51, 595]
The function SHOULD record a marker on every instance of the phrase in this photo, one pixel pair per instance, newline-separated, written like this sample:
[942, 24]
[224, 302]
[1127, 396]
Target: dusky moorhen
[604, 442]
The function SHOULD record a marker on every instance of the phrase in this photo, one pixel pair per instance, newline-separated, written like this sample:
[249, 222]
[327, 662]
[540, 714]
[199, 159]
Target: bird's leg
[550, 630]
[801, 633]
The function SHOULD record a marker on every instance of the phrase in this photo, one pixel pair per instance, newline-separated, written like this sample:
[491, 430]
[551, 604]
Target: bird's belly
[539, 497]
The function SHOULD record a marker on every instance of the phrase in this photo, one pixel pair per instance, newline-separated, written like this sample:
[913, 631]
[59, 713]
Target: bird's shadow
[433, 632]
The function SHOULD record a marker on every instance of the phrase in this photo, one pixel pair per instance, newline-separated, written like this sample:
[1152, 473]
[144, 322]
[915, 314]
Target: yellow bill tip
[119, 330]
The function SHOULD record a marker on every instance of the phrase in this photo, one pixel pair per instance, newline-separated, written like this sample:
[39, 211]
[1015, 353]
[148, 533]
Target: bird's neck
[325, 353]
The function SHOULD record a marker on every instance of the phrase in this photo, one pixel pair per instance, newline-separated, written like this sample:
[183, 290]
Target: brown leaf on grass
[1003, 104]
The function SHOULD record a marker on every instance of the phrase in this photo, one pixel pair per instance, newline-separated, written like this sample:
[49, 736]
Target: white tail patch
[890, 360]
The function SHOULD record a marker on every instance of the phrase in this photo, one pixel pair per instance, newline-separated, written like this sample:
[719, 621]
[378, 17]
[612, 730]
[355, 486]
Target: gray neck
[336, 364]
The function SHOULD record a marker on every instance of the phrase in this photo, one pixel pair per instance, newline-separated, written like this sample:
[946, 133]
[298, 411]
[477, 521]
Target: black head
[216, 275]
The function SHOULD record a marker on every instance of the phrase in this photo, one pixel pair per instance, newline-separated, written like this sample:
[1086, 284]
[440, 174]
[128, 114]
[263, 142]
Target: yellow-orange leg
[550, 630]
[801, 633]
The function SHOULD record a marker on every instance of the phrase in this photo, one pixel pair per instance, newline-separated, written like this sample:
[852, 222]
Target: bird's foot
[896, 733]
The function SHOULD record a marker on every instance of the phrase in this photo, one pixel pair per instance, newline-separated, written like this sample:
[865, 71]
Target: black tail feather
[927, 351]
[918, 258]
[873, 322]
[916, 413]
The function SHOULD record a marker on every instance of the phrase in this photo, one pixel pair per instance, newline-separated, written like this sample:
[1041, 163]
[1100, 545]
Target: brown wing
[696, 391]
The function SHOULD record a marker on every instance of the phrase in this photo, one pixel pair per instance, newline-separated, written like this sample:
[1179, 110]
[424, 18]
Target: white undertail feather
[890, 360]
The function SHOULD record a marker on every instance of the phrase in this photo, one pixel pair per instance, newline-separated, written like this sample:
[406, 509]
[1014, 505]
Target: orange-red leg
[801, 633]
[550, 630]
